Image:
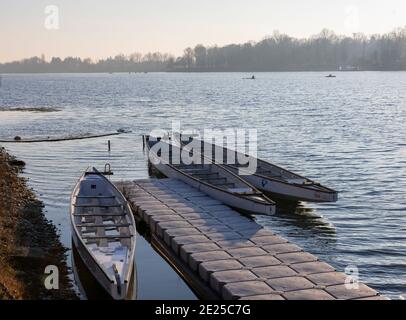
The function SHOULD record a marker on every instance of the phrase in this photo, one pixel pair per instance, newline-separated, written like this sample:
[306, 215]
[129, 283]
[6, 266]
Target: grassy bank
[28, 241]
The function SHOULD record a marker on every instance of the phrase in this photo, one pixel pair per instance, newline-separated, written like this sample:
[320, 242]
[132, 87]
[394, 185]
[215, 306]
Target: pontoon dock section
[222, 254]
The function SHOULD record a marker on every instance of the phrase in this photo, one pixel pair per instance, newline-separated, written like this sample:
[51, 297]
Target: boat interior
[103, 222]
[209, 173]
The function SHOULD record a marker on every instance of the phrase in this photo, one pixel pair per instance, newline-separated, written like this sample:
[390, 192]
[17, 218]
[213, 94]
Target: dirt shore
[28, 241]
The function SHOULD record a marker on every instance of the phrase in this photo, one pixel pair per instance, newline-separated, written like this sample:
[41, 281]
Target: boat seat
[96, 231]
[200, 169]
[215, 181]
[205, 173]
[106, 237]
[89, 225]
[95, 197]
[100, 231]
[106, 244]
[244, 191]
[226, 185]
[189, 168]
[98, 205]
[209, 176]
[106, 214]
[185, 165]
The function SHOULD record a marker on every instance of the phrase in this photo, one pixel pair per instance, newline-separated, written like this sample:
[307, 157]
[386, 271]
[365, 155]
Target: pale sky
[101, 28]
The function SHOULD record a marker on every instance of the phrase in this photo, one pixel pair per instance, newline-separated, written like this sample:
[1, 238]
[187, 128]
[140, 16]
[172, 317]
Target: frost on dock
[225, 255]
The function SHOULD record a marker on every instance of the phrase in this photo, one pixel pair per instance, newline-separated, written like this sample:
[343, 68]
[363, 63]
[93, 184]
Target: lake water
[347, 132]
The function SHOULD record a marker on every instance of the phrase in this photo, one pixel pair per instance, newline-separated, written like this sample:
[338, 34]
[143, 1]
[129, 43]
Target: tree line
[279, 52]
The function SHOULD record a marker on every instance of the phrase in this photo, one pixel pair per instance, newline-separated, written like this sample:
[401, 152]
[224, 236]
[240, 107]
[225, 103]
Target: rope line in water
[63, 139]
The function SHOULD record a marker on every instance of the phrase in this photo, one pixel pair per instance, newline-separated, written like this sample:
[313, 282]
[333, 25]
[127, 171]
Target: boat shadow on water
[88, 286]
[299, 216]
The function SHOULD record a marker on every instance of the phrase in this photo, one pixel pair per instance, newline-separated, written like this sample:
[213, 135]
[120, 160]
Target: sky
[102, 28]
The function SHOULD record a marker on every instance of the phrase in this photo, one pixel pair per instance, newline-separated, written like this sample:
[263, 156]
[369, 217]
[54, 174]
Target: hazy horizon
[192, 46]
[99, 29]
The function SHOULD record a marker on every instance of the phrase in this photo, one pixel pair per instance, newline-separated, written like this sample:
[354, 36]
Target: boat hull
[116, 287]
[287, 190]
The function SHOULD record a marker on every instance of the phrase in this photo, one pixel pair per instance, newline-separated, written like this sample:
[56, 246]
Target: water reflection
[306, 218]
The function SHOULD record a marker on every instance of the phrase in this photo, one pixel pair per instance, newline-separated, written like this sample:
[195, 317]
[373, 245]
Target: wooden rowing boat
[104, 232]
[210, 178]
[268, 177]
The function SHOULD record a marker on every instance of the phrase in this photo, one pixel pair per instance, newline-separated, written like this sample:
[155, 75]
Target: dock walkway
[225, 255]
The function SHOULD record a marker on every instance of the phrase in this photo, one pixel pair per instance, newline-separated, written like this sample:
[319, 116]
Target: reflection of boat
[268, 177]
[103, 231]
[208, 177]
[300, 221]
[331, 76]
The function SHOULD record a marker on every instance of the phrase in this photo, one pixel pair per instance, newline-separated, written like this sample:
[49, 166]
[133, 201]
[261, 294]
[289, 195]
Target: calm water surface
[348, 133]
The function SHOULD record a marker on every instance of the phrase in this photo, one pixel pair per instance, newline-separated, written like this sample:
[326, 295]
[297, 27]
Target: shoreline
[28, 241]
[202, 72]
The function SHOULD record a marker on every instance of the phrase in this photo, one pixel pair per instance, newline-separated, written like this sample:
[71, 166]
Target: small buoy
[17, 138]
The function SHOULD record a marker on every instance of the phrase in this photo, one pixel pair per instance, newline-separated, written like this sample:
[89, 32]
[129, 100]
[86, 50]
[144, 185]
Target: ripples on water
[348, 132]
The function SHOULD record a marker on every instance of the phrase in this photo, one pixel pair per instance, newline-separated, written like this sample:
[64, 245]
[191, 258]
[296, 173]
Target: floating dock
[222, 254]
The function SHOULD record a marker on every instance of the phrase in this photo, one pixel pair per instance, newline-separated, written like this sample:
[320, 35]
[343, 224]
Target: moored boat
[104, 232]
[268, 177]
[210, 178]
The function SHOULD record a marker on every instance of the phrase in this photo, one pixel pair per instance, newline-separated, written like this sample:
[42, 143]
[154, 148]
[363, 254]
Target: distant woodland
[279, 52]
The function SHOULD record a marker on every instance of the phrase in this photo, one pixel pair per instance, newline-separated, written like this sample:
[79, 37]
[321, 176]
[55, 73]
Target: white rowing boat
[210, 178]
[268, 177]
[104, 232]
